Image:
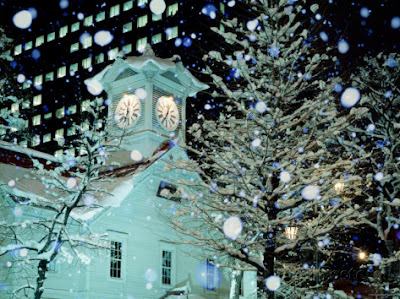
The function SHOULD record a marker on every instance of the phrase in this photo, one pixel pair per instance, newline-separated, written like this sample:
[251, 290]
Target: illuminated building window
[73, 68]
[74, 47]
[48, 115]
[100, 16]
[38, 80]
[51, 36]
[49, 77]
[36, 120]
[128, 5]
[88, 21]
[87, 62]
[87, 41]
[171, 32]
[28, 45]
[222, 7]
[26, 125]
[155, 39]
[155, 17]
[63, 31]
[35, 141]
[75, 27]
[172, 10]
[58, 153]
[26, 104]
[18, 50]
[39, 41]
[114, 11]
[60, 112]
[142, 21]
[37, 100]
[61, 72]
[127, 27]
[71, 131]
[99, 58]
[85, 105]
[141, 2]
[112, 53]
[47, 137]
[127, 49]
[59, 134]
[14, 107]
[141, 44]
[26, 84]
[71, 110]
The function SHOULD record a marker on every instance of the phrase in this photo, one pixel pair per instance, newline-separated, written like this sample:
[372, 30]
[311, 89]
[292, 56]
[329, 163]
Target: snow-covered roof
[149, 61]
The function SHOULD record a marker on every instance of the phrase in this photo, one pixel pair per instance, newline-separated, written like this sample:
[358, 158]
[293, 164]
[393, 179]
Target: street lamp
[362, 255]
[339, 187]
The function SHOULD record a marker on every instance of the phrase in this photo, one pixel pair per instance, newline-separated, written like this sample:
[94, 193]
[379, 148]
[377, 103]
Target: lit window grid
[63, 31]
[142, 21]
[38, 80]
[141, 2]
[114, 11]
[39, 41]
[47, 137]
[155, 39]
[172, 9]
[115, 259]
[166, 267]
[36, 120]
[100, 16]
[60, 113]
[75, 27]
[127, 27]
[74, 47]
[59, 134]
[87, 62]
[171, 32]
[128, 5]
[28, 45]
[37, 100]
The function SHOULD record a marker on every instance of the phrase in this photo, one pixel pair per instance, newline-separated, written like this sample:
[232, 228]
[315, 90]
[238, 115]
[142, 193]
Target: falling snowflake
[71, 183]
[103, 38]
[233, 227]
[94, 87]
[378, 176]
[136, 155]
[157, 7]
[395, 22]
[376, 259]
[273, 283]
[252, 24]
[23, 252]
[20, 78]
[310, 192]
[364, 12]
[256, 142]
[285, 176]
[151, 275]
[261, 107]
[22, 19]
[141, 93]
[64, 4]
[323, 36]
[371, 128]
[350, 97]
[273, 51]
[343, 46]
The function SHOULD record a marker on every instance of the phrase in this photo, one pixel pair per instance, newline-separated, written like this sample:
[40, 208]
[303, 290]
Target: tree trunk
[269, 261]
[42, 269]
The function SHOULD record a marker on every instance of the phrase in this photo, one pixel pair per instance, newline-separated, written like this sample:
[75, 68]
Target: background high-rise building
[72, 41]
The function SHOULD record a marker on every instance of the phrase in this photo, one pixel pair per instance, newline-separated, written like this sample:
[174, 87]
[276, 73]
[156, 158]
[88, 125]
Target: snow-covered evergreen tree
[275, 161]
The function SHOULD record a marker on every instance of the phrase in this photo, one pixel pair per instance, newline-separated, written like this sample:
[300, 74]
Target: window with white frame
[75, 27]
[74, 47]
[88, 21]
[115, 259]
[166, 267]
[142, 21]
[172, 9]
[39, 41]
[141, 44]
[49, 77]
[38, 80]
[114, 11]
[171, 32]
[36, 120]
[128, 5]
[127, 27]
[37, 100]
[87, 62]
[51, 36]
[28, 45]
[63, 31]
[155, 39]
[100, 16]
[18, 50]
[62, 71]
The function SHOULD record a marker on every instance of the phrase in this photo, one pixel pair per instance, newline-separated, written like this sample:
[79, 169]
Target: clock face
[167, 113]
[127, 111]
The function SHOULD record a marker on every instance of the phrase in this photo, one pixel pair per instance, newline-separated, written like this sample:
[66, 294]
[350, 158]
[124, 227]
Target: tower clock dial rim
[167, 113]
[127, 111]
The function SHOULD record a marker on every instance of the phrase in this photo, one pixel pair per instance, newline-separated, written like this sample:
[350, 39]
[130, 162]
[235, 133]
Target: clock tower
[146, 99]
